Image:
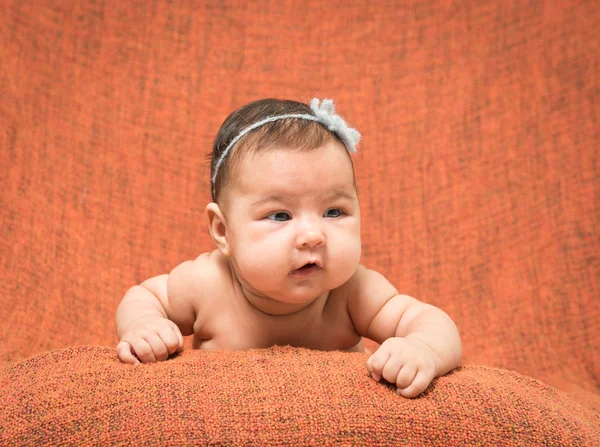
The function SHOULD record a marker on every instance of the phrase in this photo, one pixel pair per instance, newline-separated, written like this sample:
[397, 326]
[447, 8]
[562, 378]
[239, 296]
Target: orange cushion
[276, 396]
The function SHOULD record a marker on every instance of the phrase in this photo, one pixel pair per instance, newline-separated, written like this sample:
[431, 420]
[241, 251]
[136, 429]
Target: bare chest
[231, 326]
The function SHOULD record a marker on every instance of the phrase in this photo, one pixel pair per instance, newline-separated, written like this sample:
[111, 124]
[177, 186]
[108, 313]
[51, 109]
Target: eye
[333, 213]
[279, 217]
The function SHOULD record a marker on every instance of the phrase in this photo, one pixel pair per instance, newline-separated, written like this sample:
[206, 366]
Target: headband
[324, 113]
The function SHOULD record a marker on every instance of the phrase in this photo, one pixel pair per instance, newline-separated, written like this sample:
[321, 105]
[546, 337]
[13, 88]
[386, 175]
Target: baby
[285, 219]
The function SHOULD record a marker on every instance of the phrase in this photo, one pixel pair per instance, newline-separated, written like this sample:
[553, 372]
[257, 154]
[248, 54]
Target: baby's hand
[407, 362]
[151, 339]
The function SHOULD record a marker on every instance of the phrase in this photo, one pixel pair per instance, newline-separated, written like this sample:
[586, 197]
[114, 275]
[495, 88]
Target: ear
[218, 228]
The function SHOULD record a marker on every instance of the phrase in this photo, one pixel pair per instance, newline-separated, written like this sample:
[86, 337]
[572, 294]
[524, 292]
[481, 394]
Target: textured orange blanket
[278, 396]
[477, 173]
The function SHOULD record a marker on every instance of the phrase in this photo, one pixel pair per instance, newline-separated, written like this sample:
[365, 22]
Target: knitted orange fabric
[479, 183]
[278, 396]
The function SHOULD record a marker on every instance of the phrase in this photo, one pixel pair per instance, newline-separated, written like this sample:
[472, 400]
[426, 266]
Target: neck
[272, 307]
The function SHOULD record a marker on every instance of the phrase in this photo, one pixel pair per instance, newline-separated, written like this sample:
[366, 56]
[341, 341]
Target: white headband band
[324, 113]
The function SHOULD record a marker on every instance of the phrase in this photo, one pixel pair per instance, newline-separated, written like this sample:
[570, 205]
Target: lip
[308, 271]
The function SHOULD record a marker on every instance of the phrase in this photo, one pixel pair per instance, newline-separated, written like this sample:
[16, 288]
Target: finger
[392, 368]
[143, 350]
[375, 375]
[419, 384]
[377, 362]
[170, 339]
[125, 354]
[179, 337]
[406, 375]
[158, 346]
[369, 367]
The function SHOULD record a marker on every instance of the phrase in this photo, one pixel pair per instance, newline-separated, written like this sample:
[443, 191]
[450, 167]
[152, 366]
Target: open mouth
[307, 266]
[306, 269]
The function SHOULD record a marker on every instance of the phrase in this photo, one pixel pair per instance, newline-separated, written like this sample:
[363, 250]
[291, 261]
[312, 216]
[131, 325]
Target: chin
[300, 296]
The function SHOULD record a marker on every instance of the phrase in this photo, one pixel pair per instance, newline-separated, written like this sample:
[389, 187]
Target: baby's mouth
[306, 270]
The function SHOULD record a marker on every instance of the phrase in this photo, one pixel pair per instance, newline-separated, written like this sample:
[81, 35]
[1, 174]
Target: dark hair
[293, 133]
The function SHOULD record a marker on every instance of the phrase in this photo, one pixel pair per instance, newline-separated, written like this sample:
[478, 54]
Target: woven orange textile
[478, 176]
[277, 396]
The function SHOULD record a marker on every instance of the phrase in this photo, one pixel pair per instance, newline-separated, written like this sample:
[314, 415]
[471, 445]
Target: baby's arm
[418, 340]
[153, 317]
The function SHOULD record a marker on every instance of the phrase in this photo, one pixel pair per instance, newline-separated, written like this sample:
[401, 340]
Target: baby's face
[293, 222]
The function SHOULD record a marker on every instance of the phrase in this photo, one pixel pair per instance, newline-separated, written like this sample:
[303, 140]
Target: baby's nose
[310, 236]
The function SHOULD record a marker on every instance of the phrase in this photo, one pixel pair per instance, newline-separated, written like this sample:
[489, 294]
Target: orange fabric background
[478, 169]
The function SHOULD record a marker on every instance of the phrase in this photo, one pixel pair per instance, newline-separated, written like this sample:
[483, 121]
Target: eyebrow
[326, 198]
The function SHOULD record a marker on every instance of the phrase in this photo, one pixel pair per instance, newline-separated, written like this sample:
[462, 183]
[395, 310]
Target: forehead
[295, 172]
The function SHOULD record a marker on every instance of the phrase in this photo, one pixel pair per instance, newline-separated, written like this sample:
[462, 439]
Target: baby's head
[285, 209]
[245, 132]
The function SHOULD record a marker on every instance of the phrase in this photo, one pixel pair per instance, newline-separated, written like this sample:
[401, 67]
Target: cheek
[351, 252]
[257, 255]
[347, 251]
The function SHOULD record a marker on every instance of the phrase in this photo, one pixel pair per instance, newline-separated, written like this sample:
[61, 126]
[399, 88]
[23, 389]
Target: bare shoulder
[191, 278]
[375, 306]
[353, 289]
[209, 262]
[365, 293]
[193, 284]
[364, 283]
